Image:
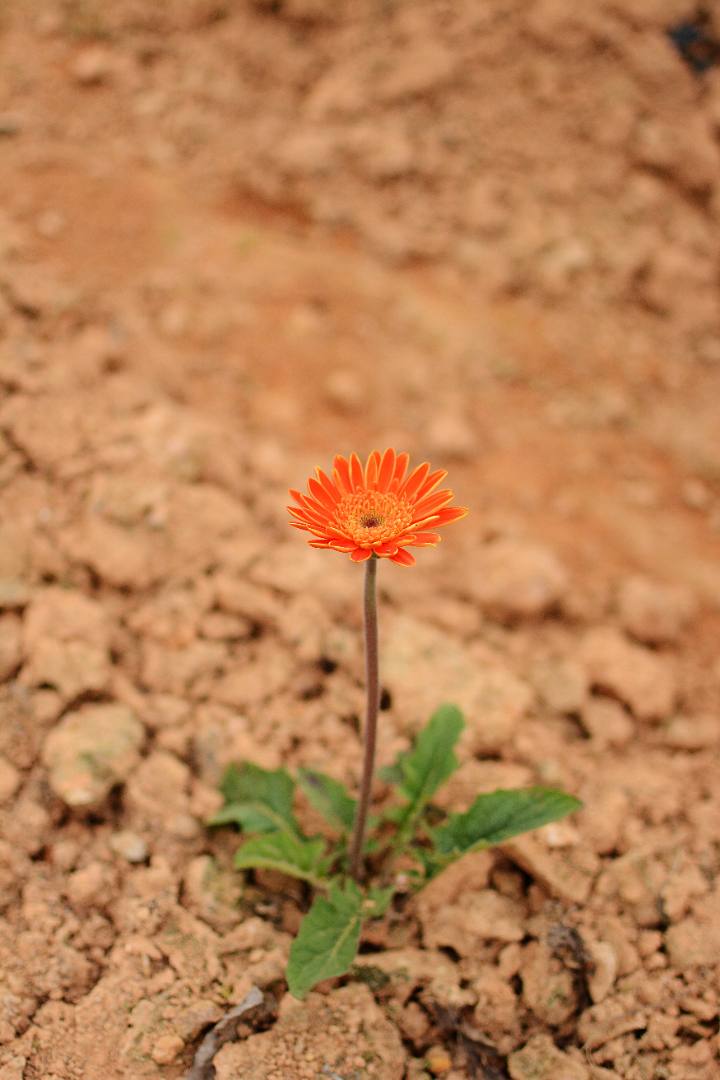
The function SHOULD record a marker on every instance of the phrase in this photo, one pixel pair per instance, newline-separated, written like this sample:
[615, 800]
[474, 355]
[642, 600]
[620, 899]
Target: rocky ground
[236, 238]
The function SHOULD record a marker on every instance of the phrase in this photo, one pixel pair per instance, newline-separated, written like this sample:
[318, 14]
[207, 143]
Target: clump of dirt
[235, 239]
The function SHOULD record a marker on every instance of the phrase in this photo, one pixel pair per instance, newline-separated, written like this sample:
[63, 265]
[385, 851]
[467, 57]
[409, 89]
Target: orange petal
[387, 470]
[401, 465]
[308, 517]
[361, 554]
[415, 480]
[341, 473]
[327, 483]
[424, 540]
[388, 548]
[371, 470]
[321, 494]
[432, 482]
[356, 472]
[450, 514]
[403, 558]
[315, 507]
[432, 503]
[431, 519]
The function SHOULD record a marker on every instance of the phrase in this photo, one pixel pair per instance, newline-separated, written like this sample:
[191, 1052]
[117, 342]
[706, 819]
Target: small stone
[475, 918]
[345, 390]
[9, 780]
[129, 846]
[72, 668]
[166, 1049]
[654, 613]
[567, 873]
[10, 646]
[90, 751]
[562, 685]
[50, 224]
[491, 697]
[696, 495]
[540, 1059]
[694, 942]
[547, 986]
[14, 594]
[86, 886]
[452, 437]
[438, 1060]
[92, 65]
[190, 1022]
[690, 732]
[604, 971]
[632, 673]
[607, 722]
[422, 67]
[65, 615]
[10, 125]
[212, 893]
[515, 579]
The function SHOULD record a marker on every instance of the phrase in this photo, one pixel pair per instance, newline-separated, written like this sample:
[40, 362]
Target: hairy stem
[373, 703]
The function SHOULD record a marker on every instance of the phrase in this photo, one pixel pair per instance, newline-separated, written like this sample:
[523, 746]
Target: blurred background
[484, 232]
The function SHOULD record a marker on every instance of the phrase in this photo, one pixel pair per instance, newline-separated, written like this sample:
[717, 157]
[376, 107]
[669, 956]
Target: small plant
[371, 513]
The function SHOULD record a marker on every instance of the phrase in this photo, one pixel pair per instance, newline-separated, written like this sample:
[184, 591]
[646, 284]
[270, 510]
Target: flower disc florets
[375, 509]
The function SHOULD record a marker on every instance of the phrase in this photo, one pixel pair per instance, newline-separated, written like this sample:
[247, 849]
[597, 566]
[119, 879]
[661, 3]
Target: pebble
[652, 612]
[129, 846]
[562, 685]
[695, 494]
[452, 438]
[9, 780]
[607, 722]
[86, 886]
[91, 750]
[632, 673]
[13, 594]
[438, 1060]
[540, 1059]
[345, 390]
[166, 1049]
[604, 971]
[92, 65]
[517, 579]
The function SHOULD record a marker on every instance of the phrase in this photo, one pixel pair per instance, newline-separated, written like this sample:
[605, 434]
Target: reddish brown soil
[236, 238]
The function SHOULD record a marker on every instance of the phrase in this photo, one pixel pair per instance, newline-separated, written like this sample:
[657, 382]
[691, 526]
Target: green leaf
[380, 898]
[426, 766]
[284, 852]
[327, 942]
[329, 797]
[257, 800]
[496, 817]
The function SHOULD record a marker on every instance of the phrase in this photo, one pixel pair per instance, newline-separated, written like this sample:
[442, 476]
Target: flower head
[375, 509]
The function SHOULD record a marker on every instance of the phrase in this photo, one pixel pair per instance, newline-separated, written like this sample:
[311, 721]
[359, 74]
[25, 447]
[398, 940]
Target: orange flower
[374, 510]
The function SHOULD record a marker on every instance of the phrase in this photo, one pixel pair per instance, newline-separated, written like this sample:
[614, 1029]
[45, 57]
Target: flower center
[372, 517]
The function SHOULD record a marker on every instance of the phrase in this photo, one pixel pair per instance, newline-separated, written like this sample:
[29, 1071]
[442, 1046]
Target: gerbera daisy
[375, 509]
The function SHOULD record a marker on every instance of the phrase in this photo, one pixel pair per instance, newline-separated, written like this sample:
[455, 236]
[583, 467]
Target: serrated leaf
[327, 942]
[496, 817]
[426, 766]
[257, 800]
[329, 797]
[286, 853]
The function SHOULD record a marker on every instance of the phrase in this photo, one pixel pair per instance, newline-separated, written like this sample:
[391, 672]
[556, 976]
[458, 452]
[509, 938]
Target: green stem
[373, 704]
